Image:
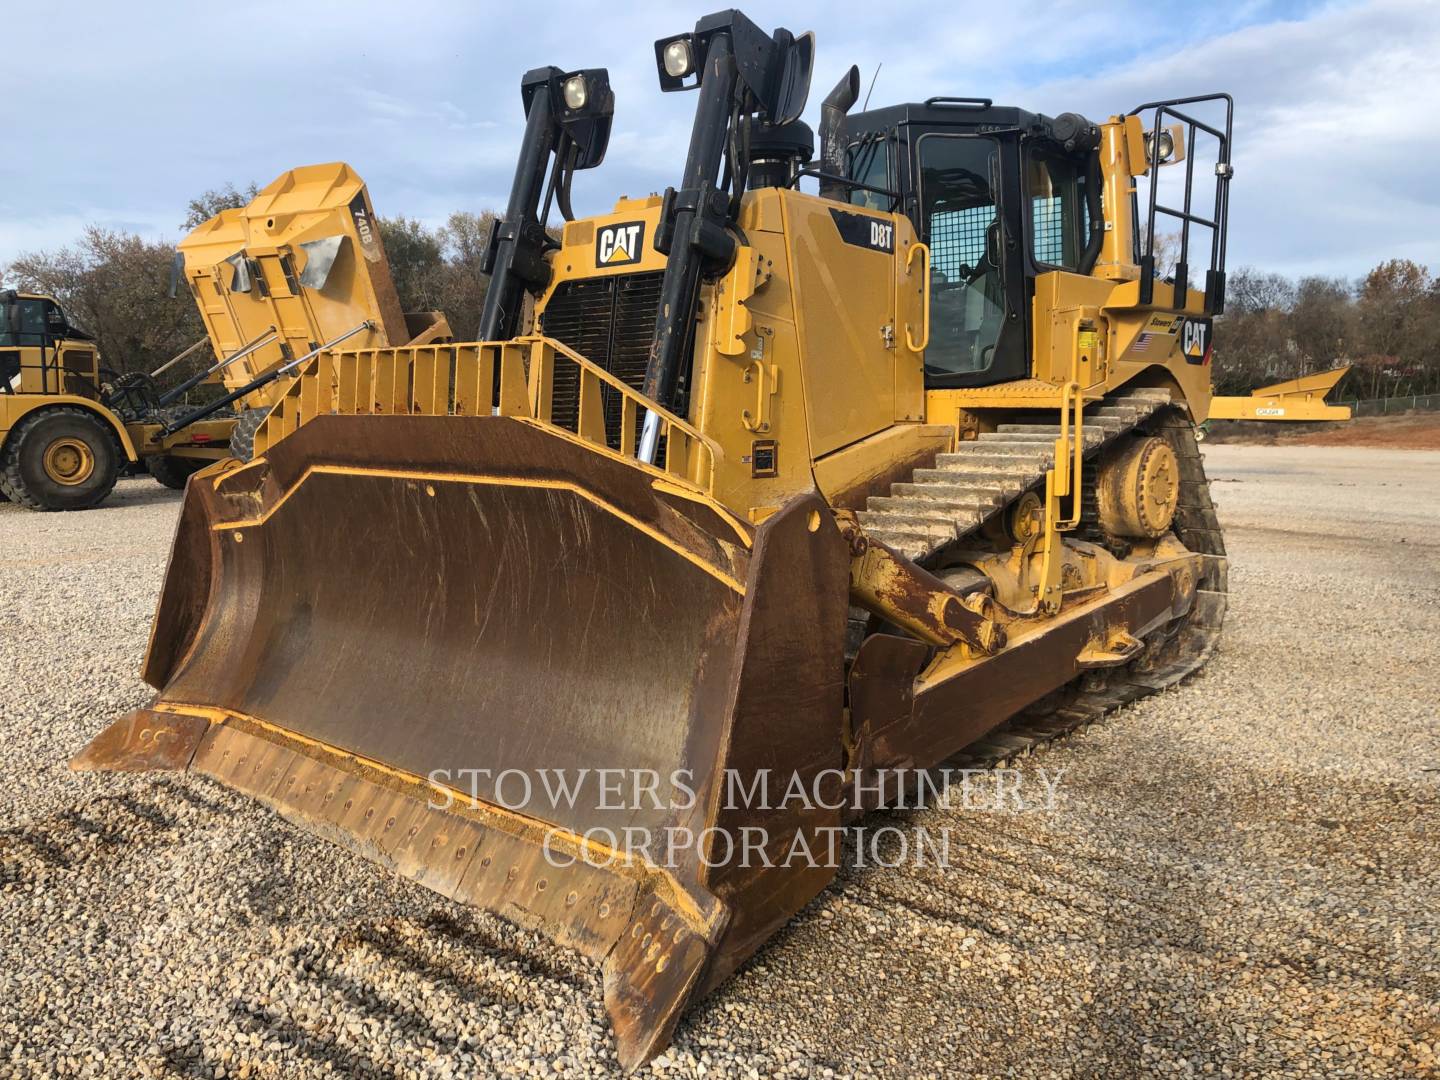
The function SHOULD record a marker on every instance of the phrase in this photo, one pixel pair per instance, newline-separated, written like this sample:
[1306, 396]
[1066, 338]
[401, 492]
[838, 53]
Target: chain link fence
[1392, 406]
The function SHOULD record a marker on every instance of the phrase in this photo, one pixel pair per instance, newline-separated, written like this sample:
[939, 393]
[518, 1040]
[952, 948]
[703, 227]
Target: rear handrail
[512, 378]
[1217, 223]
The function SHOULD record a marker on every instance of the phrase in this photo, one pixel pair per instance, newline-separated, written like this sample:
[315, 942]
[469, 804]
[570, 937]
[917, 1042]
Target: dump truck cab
[61, 446]
[68, 424]
[42, 351]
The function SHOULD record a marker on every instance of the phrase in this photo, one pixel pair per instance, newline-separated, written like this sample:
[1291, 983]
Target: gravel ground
[1241, 876]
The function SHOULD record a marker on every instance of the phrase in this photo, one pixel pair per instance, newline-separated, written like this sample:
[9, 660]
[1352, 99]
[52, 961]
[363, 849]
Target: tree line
[1387, 324]
[115, 285]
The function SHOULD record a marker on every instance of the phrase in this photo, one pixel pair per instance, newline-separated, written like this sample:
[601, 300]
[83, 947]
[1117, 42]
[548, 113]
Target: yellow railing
[515, 378]
[1064, 479]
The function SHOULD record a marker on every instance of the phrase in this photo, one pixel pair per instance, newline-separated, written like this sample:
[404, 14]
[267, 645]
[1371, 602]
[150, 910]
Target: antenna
[872, 86]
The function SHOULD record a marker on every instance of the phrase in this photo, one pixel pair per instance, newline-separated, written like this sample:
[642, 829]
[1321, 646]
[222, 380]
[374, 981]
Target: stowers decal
[365, 227]
[1163, 332]
[620, 244]
[865, 231]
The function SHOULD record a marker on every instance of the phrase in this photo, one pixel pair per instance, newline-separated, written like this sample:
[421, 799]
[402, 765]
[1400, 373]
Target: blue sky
[1337, 130]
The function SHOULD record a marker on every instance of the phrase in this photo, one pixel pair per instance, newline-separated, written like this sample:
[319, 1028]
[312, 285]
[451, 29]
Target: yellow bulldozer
[67, 424]
[742, 487]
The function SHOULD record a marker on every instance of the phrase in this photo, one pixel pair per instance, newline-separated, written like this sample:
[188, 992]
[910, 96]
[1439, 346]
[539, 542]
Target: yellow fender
[15, 407]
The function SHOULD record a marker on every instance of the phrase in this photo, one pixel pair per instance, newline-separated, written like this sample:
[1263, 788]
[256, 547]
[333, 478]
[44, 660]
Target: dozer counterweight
[769, 492]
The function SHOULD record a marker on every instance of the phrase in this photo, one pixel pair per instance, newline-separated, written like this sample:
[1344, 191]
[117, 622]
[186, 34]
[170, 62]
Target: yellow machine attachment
[1295, 400]
[610, 624]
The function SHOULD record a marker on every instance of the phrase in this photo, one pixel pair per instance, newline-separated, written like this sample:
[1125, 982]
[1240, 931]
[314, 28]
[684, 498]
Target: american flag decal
[1142, 342]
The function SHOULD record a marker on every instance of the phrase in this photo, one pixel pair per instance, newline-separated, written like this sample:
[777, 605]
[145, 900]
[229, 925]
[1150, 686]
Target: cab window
[869, 163]
[29, 328]
[959, 175]
[1059, 218]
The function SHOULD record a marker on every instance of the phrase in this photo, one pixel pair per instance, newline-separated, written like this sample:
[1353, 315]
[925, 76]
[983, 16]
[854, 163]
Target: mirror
[240, 273]
[794, 83]
[177, 271]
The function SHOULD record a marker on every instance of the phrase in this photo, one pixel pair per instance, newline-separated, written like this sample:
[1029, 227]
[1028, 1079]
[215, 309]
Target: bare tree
[1322, 322]
[440, 269]
[116, 287]
[1398, 308]
[464, 237]
[1252, 340]
[210, 203]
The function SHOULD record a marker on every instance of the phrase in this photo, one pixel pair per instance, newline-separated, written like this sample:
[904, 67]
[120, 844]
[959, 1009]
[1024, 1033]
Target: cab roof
[978, 112]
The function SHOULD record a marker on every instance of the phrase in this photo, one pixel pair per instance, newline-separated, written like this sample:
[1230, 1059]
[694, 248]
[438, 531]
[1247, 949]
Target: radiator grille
[611, 322]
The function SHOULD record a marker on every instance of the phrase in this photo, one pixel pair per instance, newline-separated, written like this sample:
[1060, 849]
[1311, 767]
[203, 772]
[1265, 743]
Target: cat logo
[1195, 340]
[619, 245]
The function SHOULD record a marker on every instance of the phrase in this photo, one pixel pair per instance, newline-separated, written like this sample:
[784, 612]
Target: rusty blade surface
[394, 629]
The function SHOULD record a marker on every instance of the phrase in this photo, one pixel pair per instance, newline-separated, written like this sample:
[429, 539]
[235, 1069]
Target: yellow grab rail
[924, 342]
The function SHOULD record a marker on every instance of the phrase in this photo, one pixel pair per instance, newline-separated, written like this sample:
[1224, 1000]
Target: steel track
[940, 509]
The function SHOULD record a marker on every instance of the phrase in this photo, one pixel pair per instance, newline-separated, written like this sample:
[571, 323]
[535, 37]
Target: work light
[1165, 145]
[679, 59]
[576, 92]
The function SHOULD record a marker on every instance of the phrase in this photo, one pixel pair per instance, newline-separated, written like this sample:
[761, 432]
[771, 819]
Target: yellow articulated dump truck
[67, 425]
[300, 269]
[742, 483]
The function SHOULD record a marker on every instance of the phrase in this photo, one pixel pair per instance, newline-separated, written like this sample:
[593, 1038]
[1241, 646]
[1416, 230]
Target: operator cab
[1000, 195]
[27, 320]
[63, 362]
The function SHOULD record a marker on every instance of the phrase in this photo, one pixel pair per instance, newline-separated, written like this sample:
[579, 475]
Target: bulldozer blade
[521, 670]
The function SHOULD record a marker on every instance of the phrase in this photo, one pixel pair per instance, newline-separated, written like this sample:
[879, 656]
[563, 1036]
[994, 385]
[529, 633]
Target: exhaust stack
[832, 136]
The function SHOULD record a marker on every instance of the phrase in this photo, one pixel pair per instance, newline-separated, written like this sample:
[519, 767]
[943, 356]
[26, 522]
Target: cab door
[33, 358]
[77, 361]
[966, 189]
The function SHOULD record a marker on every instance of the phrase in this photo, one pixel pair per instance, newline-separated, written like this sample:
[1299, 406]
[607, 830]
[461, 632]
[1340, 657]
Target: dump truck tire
[60, 459]
[173, 471]
[242, 436]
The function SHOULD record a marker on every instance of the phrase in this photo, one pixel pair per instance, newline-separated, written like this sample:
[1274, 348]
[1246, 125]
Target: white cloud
[1336, 132]
[1336, 126]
